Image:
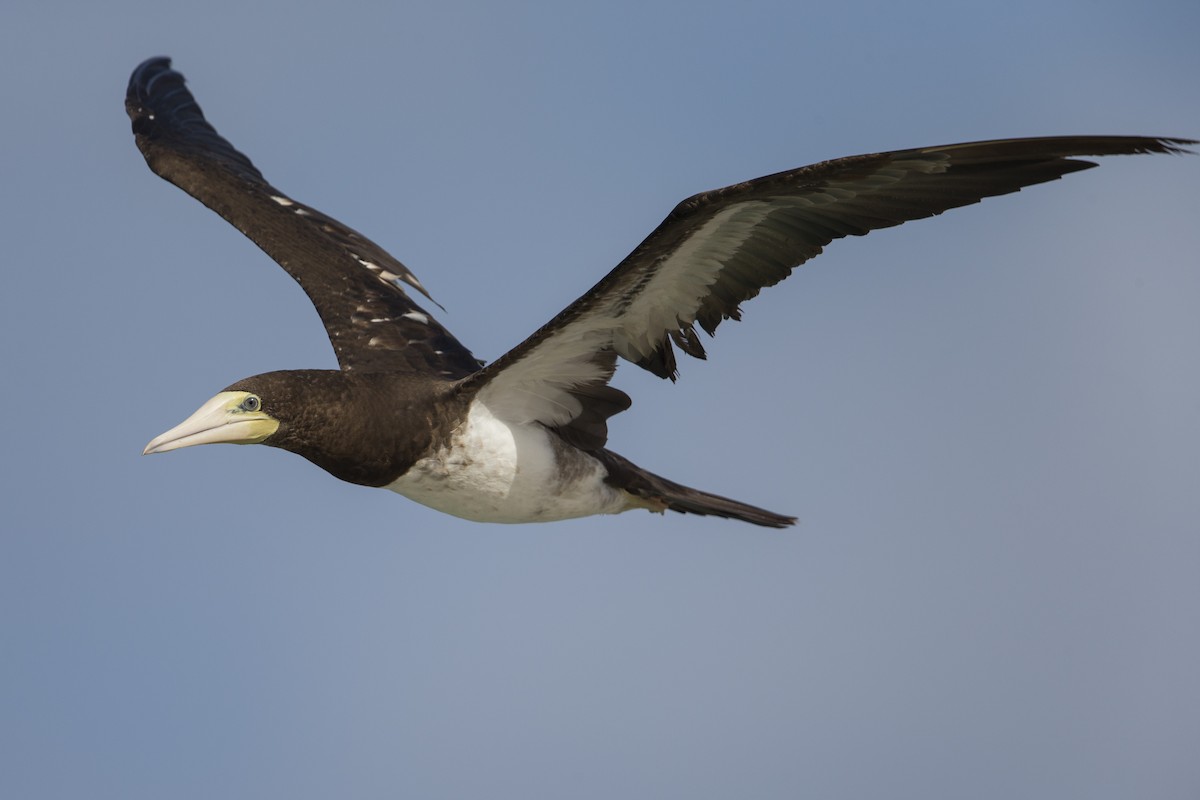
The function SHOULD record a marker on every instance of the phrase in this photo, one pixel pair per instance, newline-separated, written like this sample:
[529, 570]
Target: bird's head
[353, 426]
[275, 408]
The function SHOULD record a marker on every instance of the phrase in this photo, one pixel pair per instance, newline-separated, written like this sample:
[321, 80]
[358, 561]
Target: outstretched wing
[356, 286]
[718, 249]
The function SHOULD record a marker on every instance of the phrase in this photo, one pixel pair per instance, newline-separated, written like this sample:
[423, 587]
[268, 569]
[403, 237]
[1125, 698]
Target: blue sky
[988, 423]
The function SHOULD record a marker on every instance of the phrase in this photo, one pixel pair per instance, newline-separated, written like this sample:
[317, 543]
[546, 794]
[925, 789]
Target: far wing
[354, 283]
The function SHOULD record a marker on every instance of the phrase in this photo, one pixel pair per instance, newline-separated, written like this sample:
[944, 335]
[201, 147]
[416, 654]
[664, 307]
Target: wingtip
[145, 73]
[141, 87]
[1177, 147]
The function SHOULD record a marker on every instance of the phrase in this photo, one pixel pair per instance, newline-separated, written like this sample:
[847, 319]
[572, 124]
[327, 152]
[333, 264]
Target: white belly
[496, 472]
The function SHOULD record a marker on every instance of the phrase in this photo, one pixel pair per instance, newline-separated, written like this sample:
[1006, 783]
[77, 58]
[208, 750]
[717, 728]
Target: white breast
[494, 471]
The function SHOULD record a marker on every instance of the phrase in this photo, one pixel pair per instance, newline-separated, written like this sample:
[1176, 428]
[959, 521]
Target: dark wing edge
[372, 323]
[717, 249]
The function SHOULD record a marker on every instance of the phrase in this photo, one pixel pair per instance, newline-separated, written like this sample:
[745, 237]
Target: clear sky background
[988, 423]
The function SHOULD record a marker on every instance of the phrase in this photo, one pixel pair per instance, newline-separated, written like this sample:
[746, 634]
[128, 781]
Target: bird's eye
[251, 403]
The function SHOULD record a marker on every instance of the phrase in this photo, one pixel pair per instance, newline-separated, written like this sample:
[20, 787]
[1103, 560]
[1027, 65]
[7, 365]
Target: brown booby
[523, 439]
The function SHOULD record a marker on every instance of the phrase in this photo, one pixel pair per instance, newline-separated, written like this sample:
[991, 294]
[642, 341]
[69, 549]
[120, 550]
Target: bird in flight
[523, 439]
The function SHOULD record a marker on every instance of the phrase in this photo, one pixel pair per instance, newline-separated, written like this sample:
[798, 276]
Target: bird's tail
[660, 494]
